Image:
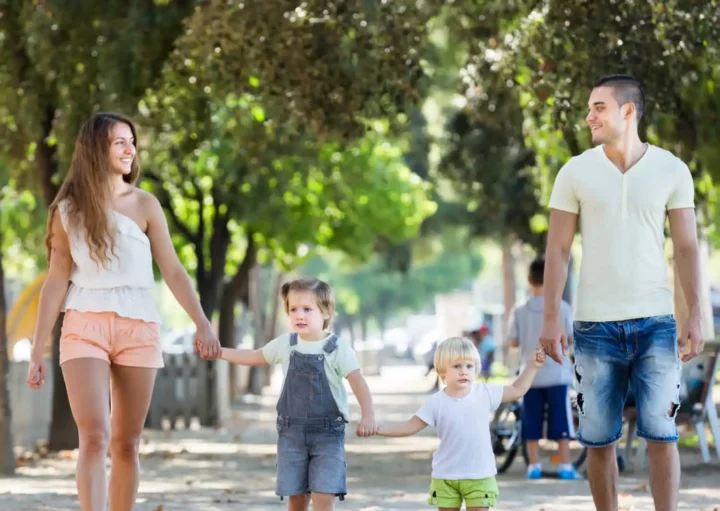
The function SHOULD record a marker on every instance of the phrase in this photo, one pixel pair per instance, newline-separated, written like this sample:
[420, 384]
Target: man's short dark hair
[536, 275]
[626, 89]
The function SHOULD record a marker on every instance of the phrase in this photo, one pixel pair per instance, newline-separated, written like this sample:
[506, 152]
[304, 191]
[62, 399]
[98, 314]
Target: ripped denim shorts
[609, 356]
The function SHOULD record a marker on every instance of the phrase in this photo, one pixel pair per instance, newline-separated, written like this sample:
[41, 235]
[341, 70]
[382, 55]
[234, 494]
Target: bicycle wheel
[505, 435]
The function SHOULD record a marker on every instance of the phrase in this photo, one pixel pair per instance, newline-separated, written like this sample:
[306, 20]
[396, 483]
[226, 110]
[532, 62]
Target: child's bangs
[456, 349]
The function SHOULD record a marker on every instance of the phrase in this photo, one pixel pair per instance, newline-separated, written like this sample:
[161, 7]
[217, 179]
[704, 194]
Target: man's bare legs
[664, 474]
[603, 477]
[323, 501]
[299, 502]
[88, 385]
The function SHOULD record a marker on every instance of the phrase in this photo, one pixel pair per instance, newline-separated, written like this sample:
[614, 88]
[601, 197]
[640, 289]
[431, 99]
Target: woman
[103, 232]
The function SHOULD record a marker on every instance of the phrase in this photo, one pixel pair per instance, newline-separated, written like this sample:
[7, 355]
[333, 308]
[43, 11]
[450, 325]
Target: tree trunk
[509, 285]
[233, 291]
[271, 325]
[257, 306]
[382, 325]
[46, 155]
[236, 289]
[63, 431]
[363, 328]
[7, 455]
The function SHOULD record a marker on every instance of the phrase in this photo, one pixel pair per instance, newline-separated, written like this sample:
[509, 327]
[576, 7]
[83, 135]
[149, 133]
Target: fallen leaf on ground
[642, 487]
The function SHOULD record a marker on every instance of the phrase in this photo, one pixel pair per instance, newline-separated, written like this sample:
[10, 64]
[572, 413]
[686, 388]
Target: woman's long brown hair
[87, 185]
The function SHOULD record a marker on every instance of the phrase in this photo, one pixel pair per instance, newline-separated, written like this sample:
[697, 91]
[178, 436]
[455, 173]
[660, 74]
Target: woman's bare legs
[131, 393]
[88, 385]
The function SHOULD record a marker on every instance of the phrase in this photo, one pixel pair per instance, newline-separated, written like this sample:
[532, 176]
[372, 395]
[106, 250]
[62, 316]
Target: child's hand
[539, 357]
[367, 427]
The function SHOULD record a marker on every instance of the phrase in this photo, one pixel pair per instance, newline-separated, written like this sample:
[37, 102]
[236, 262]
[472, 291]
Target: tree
[335, 64]
[372, 291]
[53, 73]
[249, 190]
[17, 212]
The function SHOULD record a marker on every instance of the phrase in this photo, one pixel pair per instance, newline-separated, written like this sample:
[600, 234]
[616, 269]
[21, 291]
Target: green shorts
[475, 492]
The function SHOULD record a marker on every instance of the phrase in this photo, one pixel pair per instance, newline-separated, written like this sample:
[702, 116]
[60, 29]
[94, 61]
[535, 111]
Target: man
[624, 333]
[551, 386]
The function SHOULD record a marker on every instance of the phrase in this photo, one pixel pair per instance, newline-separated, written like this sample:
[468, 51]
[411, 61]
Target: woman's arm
[176, 277]
[52, 296]
[408, 428]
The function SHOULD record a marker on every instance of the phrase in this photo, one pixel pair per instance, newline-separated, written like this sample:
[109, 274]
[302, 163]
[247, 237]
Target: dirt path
[233, 468]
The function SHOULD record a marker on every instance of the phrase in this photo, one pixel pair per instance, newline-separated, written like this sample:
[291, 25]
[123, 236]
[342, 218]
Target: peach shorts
[107, 336]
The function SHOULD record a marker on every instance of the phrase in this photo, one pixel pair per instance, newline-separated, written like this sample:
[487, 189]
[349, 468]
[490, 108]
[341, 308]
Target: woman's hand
[36, 370]
[206, 342]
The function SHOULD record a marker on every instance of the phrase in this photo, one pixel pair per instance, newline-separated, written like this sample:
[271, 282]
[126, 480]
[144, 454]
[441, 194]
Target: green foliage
[20, 219]
[62, 60]
[372, 291]
[230, 163]
[326, 66]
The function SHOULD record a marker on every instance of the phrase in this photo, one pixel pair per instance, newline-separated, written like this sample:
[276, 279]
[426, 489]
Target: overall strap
[293, 338]
[331, 344]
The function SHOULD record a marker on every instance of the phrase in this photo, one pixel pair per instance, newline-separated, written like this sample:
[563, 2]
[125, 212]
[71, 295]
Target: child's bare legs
[323, 501]
[563, 451]
[533, 450]
[299, 502]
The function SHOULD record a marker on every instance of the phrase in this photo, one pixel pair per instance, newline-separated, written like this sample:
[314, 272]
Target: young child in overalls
[313, 406]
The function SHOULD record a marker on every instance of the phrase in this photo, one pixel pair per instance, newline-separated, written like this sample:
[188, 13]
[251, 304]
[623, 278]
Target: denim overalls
[311, 429]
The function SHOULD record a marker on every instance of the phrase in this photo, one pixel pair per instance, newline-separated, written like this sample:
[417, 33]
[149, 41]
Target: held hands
[691, 342]
[206, 342]
[539, 358]
[367, 427]
[36, 371]
[552, 339]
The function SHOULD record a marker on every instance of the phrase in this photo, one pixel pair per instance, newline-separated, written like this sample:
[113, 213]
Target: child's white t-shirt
[338, 364]
[463, 425]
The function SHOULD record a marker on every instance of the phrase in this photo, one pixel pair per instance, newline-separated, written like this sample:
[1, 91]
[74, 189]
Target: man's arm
[561, 233]
[683, 230]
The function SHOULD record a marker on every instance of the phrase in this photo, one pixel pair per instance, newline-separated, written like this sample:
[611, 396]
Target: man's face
[606, 118]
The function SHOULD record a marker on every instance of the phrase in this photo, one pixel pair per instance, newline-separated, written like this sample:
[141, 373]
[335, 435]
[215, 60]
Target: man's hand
[552, 338]
[206, 342]
[691, 341]
[367, 427]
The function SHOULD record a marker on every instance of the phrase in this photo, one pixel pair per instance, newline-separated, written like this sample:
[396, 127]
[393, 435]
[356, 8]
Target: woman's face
[122, 149]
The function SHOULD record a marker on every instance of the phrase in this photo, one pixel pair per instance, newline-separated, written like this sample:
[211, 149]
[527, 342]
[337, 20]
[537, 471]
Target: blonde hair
[321, 290]
[456, 349]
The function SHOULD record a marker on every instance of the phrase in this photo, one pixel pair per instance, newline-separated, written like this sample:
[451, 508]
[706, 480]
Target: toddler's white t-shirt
[463, 425]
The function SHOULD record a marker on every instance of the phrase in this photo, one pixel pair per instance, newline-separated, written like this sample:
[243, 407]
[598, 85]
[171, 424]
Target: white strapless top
[123, 284]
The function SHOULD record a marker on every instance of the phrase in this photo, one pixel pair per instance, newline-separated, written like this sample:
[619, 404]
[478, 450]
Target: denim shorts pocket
[584, 326]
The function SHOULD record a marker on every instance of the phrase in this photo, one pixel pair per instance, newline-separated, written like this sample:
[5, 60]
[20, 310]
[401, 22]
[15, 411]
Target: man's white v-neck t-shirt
[463, 426]
[624, 272]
